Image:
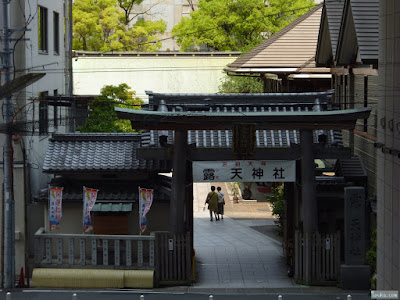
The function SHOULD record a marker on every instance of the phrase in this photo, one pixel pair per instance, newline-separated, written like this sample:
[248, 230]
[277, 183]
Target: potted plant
[235, 191]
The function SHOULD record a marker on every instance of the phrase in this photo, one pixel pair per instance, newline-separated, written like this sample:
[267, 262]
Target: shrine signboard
[245, 171]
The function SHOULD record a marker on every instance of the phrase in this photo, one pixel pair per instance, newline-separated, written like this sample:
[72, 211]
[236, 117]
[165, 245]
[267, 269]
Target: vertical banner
[89, 199]
[145, 201]
[55, 207]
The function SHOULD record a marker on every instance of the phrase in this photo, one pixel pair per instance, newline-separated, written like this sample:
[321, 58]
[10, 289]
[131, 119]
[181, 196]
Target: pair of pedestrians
[216, 202]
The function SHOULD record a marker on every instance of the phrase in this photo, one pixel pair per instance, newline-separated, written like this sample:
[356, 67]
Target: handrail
[41, 232]
[94, 249]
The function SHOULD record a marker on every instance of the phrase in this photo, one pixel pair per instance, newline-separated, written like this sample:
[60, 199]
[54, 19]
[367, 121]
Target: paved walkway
[233, 258]
[230, 254]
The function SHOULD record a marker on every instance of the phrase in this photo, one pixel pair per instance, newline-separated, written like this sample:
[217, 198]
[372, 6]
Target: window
[55, 110]
[345, 90]
[56, 32]
[43, 45]
[365, 101]
[43, 114]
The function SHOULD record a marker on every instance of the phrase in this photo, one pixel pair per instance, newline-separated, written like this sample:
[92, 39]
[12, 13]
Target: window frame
[55, 115]
[43, 29]
[56, 33]
[43, 114]
[365, 125]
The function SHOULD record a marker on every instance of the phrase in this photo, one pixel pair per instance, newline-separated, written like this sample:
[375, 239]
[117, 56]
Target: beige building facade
[172, 11]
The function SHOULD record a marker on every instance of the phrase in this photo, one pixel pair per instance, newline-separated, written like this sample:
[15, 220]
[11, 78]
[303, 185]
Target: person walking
[212, 201]
[221, 203]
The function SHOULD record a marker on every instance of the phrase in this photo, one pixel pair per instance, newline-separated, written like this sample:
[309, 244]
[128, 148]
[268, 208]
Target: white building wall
[160, 73]
[388, 182]
[23, 19]
[53, 65]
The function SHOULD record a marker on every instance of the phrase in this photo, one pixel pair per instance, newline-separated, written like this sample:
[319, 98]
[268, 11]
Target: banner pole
[83, 210]
[48, 207]
[140, 217]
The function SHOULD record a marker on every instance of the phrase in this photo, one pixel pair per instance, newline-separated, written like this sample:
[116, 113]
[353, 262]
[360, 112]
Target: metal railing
[88, 250]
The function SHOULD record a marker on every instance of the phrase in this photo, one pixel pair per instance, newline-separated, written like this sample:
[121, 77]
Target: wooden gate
[325, 249]
[173, 255]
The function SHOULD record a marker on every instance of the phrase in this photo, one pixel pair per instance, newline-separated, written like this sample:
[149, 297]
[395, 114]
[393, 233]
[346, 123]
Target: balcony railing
[89, 250]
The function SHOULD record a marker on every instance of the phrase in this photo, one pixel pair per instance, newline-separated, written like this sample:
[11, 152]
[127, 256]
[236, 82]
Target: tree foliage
[240, 84]
[277, 201]
[102, 25]
[236, 25]
[102, 116]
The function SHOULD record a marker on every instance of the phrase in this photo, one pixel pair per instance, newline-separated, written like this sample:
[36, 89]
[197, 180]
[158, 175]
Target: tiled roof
[366, 21]
[334, 10]
[96, 152]
[329, 32]
[112, 207]
[292, 47]
[224, 103]
[360, 18]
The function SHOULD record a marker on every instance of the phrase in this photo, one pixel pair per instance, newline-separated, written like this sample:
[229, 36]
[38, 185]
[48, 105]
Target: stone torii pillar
[308, 196]
[177, 203]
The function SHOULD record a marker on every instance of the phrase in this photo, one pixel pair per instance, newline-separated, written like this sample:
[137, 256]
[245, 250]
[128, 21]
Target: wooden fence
[174, 259]
[325, 261]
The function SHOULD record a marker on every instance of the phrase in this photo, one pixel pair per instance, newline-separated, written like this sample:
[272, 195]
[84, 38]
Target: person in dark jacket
[212, 200]
[221, 203]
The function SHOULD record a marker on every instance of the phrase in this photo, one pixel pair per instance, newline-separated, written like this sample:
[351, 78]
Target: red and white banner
[145, 201]
[55, 207]
[89, 199]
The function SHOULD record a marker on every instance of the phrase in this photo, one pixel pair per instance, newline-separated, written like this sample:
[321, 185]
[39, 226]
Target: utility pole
[9, 214]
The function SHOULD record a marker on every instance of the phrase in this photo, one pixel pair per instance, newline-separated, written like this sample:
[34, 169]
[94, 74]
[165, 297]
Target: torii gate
[304, 121]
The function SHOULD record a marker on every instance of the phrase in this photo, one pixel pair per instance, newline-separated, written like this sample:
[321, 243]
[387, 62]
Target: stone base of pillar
[355, 277]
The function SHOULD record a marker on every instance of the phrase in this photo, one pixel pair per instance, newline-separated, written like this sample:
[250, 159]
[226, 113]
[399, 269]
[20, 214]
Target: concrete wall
[388, 183]
[160, 73]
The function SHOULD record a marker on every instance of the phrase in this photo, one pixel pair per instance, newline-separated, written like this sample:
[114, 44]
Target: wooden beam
[324, 120]
[365, 71]
[206, 154]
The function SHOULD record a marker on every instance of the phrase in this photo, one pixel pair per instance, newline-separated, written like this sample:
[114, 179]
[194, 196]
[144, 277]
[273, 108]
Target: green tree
[127, 6]
[236, 25]
[102, 116]
[277, 201]
[101, 25]
[239, 84]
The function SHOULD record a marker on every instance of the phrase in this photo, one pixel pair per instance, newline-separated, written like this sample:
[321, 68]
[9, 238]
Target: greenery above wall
[102, 116]
[240, 25]
[239, 84]
[108, 25]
